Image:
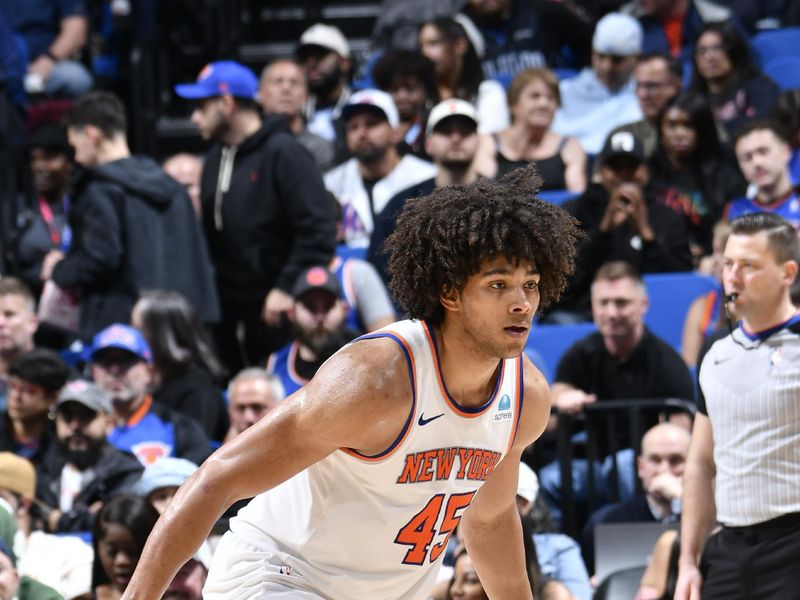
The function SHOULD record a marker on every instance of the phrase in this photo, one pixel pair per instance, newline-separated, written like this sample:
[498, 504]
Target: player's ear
[450, 298]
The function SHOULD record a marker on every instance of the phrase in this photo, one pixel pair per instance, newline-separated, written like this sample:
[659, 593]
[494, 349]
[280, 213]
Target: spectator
[726, 74]
[558, 554]
[517, 35]
[764, 153]
[54, 33]
[120, 363]
[44, 226]
[409, 79]
[325, 57]
[603, 96]
[787, 112]
[187, 372]
[191, 577]
[742, 463]
[623, 360]
[671, 26]
[118, 537]
[658, 78]
[689, 173]
[365, 183]
[263, 227]
[81, 470]
[708, 314]
[16, 587]
[452, 143]
[61, 562]
[660, 470]
[132, 225]
[318, 318]
[533, 98]
[623, 221]
[283, 90]
[160, 481]
[459, 73]
[398, 24]
[251, 395]
[18, 323]
[186, 169]
[34, 380]
[360, 286]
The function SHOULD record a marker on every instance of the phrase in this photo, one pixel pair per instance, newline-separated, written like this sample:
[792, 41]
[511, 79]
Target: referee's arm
[698, 507]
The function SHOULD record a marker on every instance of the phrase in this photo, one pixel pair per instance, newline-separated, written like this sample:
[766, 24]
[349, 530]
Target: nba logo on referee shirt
[503, 408]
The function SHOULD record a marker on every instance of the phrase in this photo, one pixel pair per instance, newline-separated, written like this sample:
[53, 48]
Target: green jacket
[30, 589]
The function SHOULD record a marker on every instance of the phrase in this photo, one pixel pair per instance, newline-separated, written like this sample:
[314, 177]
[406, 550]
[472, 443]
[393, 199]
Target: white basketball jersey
[355, 526]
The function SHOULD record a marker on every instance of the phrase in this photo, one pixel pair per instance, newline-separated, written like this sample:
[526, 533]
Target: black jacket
[668, 252]
[115, 471]
[193, 393]
[272, 216]
[8, 444]
[133, 229]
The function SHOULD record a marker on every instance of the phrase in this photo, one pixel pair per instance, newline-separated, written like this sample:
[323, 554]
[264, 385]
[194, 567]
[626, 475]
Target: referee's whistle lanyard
[61, 239]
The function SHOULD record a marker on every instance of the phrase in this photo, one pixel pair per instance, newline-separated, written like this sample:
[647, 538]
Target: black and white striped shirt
[750, 390]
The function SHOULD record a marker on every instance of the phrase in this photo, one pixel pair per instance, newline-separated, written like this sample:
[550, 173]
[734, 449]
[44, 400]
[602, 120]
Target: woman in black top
[187, 370]
[726, 74]
[533, 98]
[689, 172]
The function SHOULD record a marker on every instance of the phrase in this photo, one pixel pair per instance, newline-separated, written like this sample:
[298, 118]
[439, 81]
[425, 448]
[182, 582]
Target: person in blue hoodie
[133, 226]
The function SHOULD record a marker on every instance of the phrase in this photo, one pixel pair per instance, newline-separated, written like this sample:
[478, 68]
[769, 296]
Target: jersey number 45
[420, 531]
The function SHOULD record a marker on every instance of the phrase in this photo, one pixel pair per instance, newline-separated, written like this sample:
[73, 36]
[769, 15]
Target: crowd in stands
[153, 308]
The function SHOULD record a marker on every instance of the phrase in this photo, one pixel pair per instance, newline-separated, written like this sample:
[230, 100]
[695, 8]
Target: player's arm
[363, 384]
[491, 525]
[698, 508]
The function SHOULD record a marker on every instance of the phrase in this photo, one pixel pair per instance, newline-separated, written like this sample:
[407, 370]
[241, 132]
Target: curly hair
[443, 239]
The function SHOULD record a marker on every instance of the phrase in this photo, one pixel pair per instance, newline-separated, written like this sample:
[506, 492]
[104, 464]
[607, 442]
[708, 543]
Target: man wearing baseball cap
[604, 96]
[325, 56]
[623, 221]
[82, 470]
[264, 208]
[451, 142]
[376, 172]
[120, 364]
[319, 321]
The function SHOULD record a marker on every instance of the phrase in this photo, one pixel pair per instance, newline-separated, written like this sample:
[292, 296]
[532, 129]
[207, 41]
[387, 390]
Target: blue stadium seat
[785, 71]
[344, 252]
[671, 294]
[551, 341]
[557, 197]
[776, 43]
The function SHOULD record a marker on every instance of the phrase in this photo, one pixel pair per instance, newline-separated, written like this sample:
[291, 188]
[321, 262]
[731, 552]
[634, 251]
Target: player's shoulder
[536, 403]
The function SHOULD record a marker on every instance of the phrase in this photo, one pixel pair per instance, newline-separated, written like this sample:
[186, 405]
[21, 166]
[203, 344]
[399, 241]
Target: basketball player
[401, 435]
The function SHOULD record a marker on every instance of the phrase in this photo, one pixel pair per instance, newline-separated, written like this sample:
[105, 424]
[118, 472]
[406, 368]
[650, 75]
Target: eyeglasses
[714, 48]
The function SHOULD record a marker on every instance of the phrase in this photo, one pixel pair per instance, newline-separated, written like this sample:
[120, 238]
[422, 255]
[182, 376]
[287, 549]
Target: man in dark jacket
[133, 227]
[265, 211]
[622, 221]
[82, 470]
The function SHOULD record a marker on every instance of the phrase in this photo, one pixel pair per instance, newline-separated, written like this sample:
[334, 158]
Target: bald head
[283, 89]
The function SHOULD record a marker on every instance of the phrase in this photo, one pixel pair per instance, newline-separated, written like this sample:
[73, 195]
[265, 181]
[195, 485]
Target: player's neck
[469, 375]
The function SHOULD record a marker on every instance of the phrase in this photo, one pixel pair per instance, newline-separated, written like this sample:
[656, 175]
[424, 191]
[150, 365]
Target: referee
[747, 431]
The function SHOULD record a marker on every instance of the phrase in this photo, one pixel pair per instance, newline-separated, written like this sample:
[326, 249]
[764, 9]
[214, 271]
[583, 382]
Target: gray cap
[86, 393]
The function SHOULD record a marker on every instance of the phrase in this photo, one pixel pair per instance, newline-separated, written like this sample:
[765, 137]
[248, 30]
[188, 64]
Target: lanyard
[62, 238]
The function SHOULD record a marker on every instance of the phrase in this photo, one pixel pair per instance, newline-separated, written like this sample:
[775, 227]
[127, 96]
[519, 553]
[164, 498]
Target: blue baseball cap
[123, 337]
[224, 77]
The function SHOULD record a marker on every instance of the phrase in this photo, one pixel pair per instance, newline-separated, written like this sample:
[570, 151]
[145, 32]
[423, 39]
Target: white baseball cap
[376, 100]
[528, 485]
[327, 36]
[454, 107]
[618, 35]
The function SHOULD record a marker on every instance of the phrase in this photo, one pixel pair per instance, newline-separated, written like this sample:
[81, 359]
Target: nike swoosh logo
[423, 421]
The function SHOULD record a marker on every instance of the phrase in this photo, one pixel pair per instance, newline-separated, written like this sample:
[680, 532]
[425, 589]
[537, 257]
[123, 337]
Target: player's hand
[276, 304]
[572, 402]
[689, 583]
